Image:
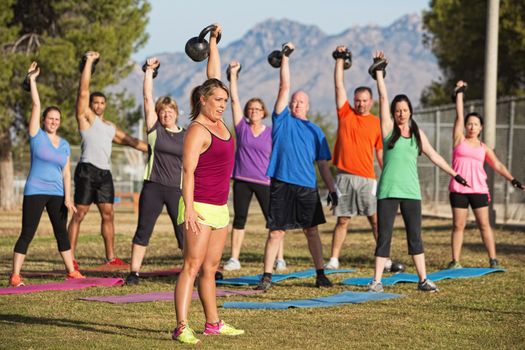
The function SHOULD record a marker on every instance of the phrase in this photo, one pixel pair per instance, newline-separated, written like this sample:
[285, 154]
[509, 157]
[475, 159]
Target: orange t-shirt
[357, 136]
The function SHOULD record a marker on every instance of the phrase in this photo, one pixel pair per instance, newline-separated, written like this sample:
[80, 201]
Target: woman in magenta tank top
[468, 158]
[208, 157]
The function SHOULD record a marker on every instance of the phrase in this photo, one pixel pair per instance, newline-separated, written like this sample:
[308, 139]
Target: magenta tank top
[468, 162]
[213, 171]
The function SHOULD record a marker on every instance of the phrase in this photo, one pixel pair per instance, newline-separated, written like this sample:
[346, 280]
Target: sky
[173, 22]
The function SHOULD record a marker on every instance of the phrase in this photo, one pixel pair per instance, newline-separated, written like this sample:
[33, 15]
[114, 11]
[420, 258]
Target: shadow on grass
[82, 325]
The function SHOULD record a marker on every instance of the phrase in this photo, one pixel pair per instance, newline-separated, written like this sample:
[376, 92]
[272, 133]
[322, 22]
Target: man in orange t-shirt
[358, 135]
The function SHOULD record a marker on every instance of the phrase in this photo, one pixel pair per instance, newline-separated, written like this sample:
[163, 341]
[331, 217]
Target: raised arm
[149, 104]
[83, 113]
[34, 122]
[237, 112]
[384, 109]
[340, 91]
[460, 118]
[66, 173]
[124, 139]
[431, 153]
[283, 97]
[213, 69]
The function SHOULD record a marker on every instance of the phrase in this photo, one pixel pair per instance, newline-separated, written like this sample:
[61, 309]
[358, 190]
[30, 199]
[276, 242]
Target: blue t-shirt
[47, 163]
[296, 144]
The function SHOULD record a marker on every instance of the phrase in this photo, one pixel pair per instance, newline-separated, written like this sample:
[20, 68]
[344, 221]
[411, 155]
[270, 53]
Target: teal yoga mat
[254, 279]
[348, 297]
[467, 272]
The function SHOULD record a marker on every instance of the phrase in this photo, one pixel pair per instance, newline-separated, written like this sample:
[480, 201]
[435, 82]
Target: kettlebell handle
[206, 30]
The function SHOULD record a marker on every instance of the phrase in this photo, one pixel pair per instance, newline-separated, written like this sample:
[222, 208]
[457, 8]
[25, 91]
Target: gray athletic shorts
[357, 195]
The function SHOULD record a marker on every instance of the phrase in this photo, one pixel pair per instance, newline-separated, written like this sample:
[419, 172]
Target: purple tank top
[213, 171]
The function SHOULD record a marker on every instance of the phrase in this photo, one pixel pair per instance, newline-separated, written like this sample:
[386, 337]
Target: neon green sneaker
[221, 328]
[186, 335]
[454, 265]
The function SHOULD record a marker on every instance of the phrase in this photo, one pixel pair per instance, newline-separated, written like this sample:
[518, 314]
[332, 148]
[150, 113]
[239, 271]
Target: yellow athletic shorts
[215, 216]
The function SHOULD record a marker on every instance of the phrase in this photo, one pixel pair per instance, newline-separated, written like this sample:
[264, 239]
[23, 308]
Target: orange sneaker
[117, 262]
[16, 281]
[74, 275]
[75, 265]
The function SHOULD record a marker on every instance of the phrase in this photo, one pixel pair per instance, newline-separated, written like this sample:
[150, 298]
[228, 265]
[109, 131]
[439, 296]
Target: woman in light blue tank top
[48, 184]
[399, 183]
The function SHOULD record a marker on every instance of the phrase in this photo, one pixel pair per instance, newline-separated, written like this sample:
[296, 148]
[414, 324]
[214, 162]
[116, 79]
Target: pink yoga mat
[54, 273]
[80, 283]
[163, 296]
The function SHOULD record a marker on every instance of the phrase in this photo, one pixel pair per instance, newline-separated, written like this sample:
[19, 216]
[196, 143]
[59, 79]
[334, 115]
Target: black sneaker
[323, 281]
[264, 284]
[427, 286]
[494, 264]
[132, 279]
[218, 276]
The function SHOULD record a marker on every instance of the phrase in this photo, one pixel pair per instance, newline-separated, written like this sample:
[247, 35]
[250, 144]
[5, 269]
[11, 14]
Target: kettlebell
[26, 85]
[198, 48]
[275, 57]
[83, 63]
[228, 72]
[379, 64]
[155, 70]
[345, 55]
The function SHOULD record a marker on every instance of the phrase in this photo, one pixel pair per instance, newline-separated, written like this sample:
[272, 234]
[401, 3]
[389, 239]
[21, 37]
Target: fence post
[509, 157]
[436, 169]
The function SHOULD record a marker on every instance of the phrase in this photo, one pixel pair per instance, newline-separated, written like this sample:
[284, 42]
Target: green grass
[486, 312]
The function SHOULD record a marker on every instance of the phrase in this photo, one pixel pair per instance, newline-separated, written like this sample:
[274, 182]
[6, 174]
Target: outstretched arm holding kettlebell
[237, 111]
[85, 116]
[340, 91]
[283, 96]
[149, 104]
[213, 69]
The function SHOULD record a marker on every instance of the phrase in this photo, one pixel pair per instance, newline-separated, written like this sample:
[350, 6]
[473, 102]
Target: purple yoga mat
[163, 296]
[71, 284]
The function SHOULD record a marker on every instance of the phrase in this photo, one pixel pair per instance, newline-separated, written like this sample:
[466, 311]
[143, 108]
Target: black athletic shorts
[293, 206]
[462, 200]
[93, 185]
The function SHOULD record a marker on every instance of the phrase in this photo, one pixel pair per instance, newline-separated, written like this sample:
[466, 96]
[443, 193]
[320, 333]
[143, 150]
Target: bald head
[300, 104]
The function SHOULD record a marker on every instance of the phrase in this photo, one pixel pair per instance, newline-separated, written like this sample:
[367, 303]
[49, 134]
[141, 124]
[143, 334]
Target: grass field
[485, 313]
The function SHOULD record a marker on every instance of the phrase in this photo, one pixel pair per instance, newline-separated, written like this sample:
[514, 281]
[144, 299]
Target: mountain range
[411, 67]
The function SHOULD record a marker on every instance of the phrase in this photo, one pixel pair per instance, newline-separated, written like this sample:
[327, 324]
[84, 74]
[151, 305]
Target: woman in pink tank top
[468, 158]
[208, 157]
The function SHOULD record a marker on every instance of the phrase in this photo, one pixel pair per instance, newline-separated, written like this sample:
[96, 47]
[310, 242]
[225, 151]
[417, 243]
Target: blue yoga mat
[468, 272]
[348, 297]
[254, 279]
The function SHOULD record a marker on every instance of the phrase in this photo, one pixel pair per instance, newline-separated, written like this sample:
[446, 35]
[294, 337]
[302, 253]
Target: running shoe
[376, 287]
[453, 265]
[427, 286]
[132, 279]
[186, 335]
[333, 264]
[232, 265]
[323, 281]
[264, 284]
[221, 328]
[16, 281]
[280, 265]
[117, 262]
[75, 274]
[494, 264]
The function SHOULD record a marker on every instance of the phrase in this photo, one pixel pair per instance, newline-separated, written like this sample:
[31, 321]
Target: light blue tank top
[47, 164]
[96, 144]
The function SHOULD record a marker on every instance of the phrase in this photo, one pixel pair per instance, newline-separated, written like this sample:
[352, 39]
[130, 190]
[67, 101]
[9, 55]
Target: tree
[56, 34]
[456, 35]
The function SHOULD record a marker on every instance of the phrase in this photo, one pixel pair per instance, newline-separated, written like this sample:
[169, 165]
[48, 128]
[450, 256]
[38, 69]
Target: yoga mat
[254, 279]
[468, 272]
[71, 284]
[163, 296]
[347, 297]
[107, 268]
[161, 273]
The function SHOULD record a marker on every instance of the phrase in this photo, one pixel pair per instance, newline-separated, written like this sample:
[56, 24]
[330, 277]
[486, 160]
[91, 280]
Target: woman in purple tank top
[468, 158]
[208, 157]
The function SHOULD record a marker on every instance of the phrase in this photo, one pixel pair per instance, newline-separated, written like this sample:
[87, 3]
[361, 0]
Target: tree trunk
[7, 193]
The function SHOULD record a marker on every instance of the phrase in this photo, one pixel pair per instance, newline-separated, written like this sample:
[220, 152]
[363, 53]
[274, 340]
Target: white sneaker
[280, 265]
[232, 264]
[333, 264]
[375, 287]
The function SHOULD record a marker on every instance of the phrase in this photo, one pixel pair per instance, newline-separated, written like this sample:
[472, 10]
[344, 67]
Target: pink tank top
[468, 162]
[213, 171]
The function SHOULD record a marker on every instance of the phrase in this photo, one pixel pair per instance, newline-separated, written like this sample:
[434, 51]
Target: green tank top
[399, 178]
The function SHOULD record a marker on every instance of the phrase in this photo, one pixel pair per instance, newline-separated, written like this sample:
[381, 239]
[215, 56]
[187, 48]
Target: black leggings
[386, 214]
[32, 209]
[152, 199]
[242, 195]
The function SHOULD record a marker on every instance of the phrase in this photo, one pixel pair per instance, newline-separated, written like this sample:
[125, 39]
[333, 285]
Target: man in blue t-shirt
[294, 199]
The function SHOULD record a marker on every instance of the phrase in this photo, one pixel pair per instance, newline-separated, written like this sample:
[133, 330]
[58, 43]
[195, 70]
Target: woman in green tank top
[399, 182]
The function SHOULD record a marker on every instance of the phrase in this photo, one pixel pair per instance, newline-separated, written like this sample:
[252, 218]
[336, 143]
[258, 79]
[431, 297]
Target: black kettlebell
[83, 63]
[155, 70]
[228, 72]
[26, 85]
[379, 64]
[198, 48]
[275, 57]
[345, 55]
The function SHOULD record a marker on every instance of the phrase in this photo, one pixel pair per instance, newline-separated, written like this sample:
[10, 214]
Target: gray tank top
[96, 144]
